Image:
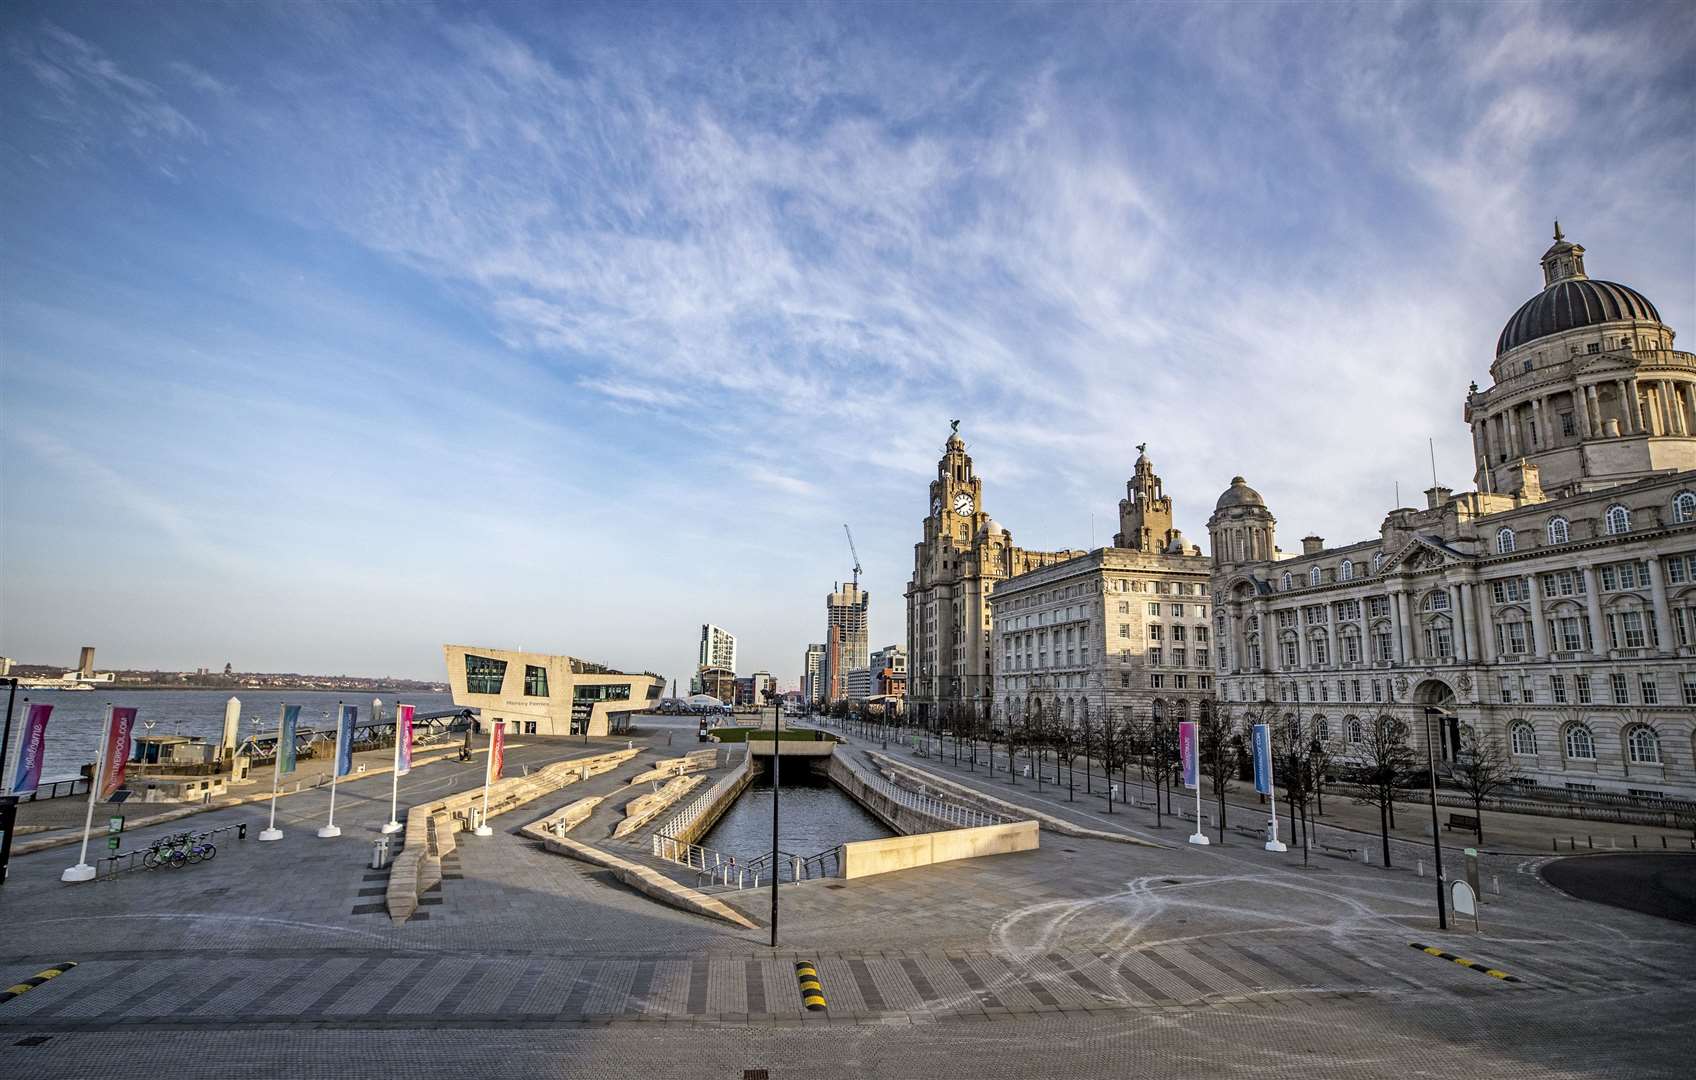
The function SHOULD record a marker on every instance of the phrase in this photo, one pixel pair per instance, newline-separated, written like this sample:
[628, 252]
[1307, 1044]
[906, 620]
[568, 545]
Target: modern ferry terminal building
[542, 694]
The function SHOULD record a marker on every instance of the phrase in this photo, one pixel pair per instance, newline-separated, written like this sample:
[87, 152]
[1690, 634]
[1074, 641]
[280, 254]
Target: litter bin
[379, 853]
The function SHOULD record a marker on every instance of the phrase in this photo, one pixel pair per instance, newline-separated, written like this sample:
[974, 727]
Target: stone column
[1663, 615]
[1593, 607]
[1539, 425]
[1624, 411]
[1404, 631]
[1268, 641]
[1301, 643]
[1593, 402]
[1331, 641]
[1457, 619]
[1469, 619]
[1539, 632]
[1581, 406]
[1486, 624]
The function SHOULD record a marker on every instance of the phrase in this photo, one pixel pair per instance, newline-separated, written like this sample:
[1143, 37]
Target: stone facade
[1555, 616]
[956, 566]
[542, 694]
[1121, 632]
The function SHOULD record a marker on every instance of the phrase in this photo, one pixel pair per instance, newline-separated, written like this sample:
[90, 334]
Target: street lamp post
[1432, 711]
[8, 802]
[776, 743]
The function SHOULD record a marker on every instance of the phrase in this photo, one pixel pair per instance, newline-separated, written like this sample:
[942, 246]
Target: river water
[814, 815]
[73, 731]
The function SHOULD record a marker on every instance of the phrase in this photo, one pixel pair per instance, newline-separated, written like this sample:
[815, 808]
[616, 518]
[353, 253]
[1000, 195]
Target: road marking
[20, 989]
[1464, 962]
[812, 991]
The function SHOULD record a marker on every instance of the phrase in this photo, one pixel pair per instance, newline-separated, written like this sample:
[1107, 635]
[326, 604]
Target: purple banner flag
[32, 748]
[1187, 754]
[403, 740]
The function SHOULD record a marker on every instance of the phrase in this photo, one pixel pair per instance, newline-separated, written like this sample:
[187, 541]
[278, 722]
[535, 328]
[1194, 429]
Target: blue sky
[334, 332]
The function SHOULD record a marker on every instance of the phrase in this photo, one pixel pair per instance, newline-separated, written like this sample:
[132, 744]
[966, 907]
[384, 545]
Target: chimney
[1312, 545]
[1437, 496]
[85, 666]
[1529, 488]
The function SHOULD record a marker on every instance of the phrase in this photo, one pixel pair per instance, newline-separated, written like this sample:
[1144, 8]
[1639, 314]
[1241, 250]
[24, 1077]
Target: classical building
[956, 566]
[845, 637]
[539, 694]
[717, 648]
[1122, 632]
[1553, 610]
[812, 675]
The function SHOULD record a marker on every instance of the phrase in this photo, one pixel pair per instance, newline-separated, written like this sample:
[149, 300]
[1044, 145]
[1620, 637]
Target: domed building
[1550, 614]
[1587, 386]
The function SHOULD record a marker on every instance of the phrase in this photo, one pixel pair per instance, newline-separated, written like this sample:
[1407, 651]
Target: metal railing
[55, 789]
[700, 804]
[961, 817]
[122, 862]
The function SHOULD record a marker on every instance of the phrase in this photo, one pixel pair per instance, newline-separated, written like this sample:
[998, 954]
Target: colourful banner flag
[344, 739]
[403, 739]
[1188, 754]
[32, 748]
[288, 721]
[497, 750]
[1263, 758]
[117, 750]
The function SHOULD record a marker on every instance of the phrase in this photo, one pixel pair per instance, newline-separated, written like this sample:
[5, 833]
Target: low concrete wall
[563, 820]
[645, 808]
[863, 858]
[649, 882]
[719, 797]
[694, 761]
[902, 818]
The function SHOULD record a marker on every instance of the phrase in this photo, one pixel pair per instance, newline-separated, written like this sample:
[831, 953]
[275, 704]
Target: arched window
[1580, 743]
[1377, 562]
[1504, 541]
[1313, 576]
[1437, 600]
[1557, 530]
[1347, 571]
[1353, 729]
[1643, 746]
[1618, 520]
[1524, 738]
[1684, 507]
[1288, 583]
[1321, 729]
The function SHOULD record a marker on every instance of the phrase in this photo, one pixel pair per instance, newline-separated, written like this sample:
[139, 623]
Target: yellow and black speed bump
[812, 992]
[1464, 962]
[19, 989]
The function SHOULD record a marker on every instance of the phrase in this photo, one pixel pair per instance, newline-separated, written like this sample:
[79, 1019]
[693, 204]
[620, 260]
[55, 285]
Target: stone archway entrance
[1446, 730]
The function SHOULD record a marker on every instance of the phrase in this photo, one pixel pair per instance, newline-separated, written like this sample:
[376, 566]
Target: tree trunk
[1478, 816]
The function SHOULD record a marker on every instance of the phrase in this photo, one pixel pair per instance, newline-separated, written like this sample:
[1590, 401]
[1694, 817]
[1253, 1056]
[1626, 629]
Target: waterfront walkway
[1083, 958]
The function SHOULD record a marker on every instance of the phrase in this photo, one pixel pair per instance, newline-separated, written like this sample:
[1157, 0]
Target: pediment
[1425, 553]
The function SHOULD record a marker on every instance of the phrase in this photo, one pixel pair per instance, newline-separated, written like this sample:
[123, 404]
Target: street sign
[112, 842]
[115, 824]
[1464, 901]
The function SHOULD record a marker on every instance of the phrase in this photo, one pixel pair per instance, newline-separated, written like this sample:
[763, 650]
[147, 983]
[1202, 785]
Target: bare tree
[1386, 765]
[1218, 754]
[1481, 769]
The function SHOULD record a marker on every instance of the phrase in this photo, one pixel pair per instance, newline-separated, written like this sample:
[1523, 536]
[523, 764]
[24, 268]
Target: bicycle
[159, 851]
[201, 851]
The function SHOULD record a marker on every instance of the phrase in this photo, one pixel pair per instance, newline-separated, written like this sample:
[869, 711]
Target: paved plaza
[1085, 958]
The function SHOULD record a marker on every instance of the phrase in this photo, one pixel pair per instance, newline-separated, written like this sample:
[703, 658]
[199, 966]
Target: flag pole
[1272, 794]
[271, 832]
[331, 830]
[1191, 753]
[482, 828]
[393, 824]
[82, 871]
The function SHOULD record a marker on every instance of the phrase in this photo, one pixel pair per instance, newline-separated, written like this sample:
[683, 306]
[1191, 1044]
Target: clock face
[936, 506]
[963, 503]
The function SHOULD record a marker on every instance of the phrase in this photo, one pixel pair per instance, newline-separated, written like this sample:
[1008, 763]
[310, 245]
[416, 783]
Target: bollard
[1663, 840]
[1633, 841]
[1495, 884]
[1572, 843]
[1421, 869]
[1591, 841]
[1555, 844]
[241, 831]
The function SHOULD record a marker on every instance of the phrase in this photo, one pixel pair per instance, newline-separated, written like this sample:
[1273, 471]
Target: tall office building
[812, 674]
[846, 645]
[718, 648]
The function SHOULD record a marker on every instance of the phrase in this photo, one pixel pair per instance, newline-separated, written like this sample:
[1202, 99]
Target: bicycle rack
[107, 868]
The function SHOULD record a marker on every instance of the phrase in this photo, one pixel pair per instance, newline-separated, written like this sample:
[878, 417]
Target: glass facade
[615, 692]
[535, 681]
[484, 675]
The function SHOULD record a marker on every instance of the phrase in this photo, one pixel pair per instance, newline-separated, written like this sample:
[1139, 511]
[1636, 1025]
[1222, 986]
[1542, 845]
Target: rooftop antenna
[1398, 493]
[1431, 446]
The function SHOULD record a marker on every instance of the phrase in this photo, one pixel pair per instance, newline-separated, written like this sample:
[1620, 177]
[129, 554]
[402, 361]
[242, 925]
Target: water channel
[814, 815]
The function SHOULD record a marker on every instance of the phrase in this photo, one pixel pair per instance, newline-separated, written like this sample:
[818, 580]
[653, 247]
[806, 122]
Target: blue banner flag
[1263, 759]
[344, 739]
[288, 720]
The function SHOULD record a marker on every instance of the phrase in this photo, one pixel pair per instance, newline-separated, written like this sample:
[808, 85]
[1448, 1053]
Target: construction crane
[856, 554]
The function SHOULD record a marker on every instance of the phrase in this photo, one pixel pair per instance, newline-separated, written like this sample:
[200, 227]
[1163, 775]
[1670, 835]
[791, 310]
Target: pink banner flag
[32, 748]
[1187, 754]
[497, 751]
[117, 751]
[403, 740]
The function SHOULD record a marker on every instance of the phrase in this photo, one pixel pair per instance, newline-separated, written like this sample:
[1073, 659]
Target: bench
[1340, 852]
[1462, 821]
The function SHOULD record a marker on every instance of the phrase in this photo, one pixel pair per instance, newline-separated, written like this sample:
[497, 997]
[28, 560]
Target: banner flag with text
[344, 739]
[32, 748]
[497, 751]
[1187, 753]
[403, 740]
[1263, 758]
[117, 751]
[288, 721]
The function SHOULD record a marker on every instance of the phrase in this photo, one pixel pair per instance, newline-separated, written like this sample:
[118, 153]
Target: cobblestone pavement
[1083, 958]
